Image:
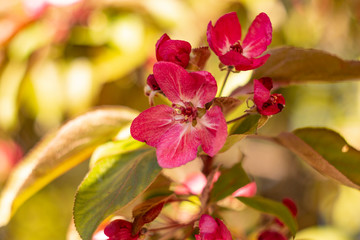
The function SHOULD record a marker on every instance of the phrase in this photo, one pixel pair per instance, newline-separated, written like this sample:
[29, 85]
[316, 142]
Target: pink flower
[193, 184]
[249, 190]
[271, 235]
[266, 103]
[175, 51]
[212, 229]
[224, 39]
[120, 230]
[177, 131]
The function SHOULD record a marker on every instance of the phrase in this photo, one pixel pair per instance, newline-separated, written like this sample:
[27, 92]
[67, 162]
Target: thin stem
[177, 225]
[229, 69]
[205, 195]
[238, 118]
[167, 227]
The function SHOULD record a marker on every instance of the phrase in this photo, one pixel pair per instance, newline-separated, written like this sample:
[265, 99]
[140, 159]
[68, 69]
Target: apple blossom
[266, 103]
[177, 131]
[225, 36]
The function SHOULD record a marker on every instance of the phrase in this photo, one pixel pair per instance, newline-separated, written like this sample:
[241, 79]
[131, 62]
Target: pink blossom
[120, 230]
[177, 131]
[175, 51]
[212, 229]
[266, 103]
[249, 190]
[224, 39]
[271, 235]
[193, 184]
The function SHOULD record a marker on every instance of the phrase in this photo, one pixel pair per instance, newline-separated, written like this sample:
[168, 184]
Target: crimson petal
[175, 51]
[151, 124]
[259, 36]
[206, 88]
[176, 83]
[226, 32]
[233, 58]
[255, 63]
[178, 146]
[223, 231]
[261, 93]
[212, 130]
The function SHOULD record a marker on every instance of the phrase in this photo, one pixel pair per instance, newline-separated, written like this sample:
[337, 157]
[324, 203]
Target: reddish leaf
[327, 152]
[227, 104]
[198, 58]
[290, 65]
[147, 211]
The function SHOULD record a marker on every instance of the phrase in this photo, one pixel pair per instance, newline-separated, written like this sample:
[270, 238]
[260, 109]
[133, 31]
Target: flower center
[273, 101]
[236, 47]
[185, 114]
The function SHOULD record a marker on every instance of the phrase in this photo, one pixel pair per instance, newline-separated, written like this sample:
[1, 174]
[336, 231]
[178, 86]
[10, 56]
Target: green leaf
[59, 152]
[113, 148]
[272, 207]
[231, 140]
[110, 185]
[290, 65]
[229, 181]
[246, 125]
[327, 152]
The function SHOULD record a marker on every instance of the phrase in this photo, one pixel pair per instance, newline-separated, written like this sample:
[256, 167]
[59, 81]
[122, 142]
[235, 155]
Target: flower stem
[177, 225]
[229, 69]
[238, 118]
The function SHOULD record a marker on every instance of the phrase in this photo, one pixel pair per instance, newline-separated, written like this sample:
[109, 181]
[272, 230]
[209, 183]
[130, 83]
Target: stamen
[236, 47]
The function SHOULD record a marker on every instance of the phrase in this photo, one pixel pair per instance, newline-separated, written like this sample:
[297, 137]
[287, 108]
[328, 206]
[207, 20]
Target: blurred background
[60, 58]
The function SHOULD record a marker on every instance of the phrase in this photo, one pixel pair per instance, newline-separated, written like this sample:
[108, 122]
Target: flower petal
[261, 93]
[177, 146]
[255, 63]
[274, 105]
[175, 51]
[227, 31]
[161, 40]
[223, 231]
[233, 58]
[259, 36]
[249, 190]
[206, 88]
[212, 130]
[176, 83]
[195, 183]
[207, 225]
[151, 124]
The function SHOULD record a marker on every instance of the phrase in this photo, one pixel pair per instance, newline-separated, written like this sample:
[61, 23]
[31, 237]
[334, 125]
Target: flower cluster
[178, 130]
[194, 124]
